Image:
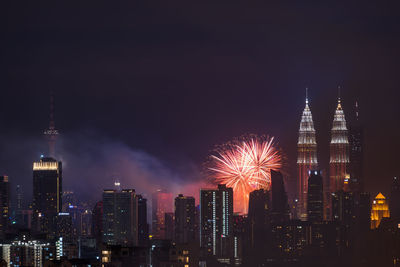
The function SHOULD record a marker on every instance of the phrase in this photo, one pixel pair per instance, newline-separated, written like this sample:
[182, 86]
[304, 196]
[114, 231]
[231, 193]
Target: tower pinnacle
[339, 106]
[306, 95]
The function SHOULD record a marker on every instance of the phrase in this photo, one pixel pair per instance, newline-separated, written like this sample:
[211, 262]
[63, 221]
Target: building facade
[47, 195]
[143, 226]
[185, 225]
[216, 221]
[315, 197]
[120, 217]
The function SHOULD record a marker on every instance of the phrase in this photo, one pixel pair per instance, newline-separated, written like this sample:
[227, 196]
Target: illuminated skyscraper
[306, 158]
[162, 203]
[120, 217]
[4, 204]
[216, 221]
[47, 194]
[339, 157]
[379, 210]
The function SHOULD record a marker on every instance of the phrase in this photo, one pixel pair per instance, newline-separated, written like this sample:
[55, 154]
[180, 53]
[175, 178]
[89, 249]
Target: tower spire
[339, 105]
[51, 133]
[306, 95]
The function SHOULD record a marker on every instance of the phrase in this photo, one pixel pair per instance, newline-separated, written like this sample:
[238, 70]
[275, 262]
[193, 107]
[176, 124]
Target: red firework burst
[245, 165]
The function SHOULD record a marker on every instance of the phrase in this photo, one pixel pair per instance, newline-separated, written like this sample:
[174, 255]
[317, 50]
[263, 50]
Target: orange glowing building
[379, 210]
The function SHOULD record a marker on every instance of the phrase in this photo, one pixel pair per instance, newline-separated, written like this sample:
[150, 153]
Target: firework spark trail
[245, 166]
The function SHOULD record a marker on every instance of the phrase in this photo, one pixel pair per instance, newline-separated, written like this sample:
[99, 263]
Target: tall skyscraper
[47, 194]
[4, 205]
[97, 222]
[280, 206]
[379, 210]
[258, 223]
[120, 217]
[259, 208]
[356, 136]
[306, 158]
[185, 210]
[216, 221]
[143, 226]
[339, 157]
[315, 197]
[162, 203]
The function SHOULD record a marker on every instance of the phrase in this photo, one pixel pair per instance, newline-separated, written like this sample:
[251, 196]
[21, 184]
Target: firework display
[245, 164]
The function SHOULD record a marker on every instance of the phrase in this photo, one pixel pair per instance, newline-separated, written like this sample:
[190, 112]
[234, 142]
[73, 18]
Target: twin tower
[307, 158]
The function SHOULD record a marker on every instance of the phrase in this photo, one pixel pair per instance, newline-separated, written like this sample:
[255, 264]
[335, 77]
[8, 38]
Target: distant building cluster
[331, 222]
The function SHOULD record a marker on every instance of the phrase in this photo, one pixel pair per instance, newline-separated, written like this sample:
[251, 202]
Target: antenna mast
[51, 133]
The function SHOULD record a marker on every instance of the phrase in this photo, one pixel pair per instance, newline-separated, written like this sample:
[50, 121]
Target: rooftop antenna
[51, 133]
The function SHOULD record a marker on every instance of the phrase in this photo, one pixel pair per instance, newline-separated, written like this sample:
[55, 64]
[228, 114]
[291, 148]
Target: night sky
[157, 85]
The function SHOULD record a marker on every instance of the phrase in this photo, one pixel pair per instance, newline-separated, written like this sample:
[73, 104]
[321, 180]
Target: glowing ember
[245, 166]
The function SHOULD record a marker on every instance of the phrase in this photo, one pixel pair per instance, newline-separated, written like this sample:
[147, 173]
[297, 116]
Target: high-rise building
[394, 201]
[185, 212]
[162, 203]
[97, 222]
[4, 204]
[216, 221]
[257, 226]
[64, 227]
[339, 157]
[143, 226]
[306, 159]
[379, 210]
[356, 153]
[315, 197]
[259, 209]
[280, 206]
[120, 217]
[47, 194]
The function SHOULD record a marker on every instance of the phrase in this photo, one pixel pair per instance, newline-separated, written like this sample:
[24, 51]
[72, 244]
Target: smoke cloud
[92, 162]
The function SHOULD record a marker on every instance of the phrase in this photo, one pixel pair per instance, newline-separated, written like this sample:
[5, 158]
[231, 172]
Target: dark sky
[172, 79]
